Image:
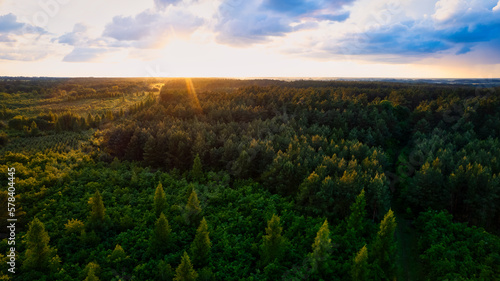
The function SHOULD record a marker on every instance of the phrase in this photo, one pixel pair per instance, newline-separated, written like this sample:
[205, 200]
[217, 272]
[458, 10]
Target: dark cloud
[246, 22]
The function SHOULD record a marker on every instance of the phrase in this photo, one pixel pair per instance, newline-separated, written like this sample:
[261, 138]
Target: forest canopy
[223, 179]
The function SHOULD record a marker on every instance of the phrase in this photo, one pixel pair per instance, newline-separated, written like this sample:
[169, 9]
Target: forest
[226, 179]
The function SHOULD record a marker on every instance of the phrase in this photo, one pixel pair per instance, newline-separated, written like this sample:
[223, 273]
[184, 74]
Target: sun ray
[193, 96]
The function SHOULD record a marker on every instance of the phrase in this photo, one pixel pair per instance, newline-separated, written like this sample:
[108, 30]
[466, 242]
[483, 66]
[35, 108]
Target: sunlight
[192, 95]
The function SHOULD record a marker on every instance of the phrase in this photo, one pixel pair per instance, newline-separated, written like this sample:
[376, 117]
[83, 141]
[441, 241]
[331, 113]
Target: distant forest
[225, 179]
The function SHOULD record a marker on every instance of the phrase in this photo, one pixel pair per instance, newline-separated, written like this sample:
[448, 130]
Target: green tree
[197, 170]
[92, 269]
[322, 247]
[160, 237]
[98, 209]
[165, 271]
[185, 271]
[384, 247]
[193, 208]
[356, 220]
[353, 237]
[273, 242]
[39, 256]
[200, 248]
[160, 199]
[360, 269]
[118, 255]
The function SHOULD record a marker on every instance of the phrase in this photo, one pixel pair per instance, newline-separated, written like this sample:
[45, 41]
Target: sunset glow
[263, 38]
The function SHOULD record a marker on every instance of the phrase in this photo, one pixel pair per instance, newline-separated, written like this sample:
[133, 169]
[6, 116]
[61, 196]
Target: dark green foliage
[356, 221]
[165, 271]
[360, 270]
[272, 241]
[185, 271]
[450, 250]
[193, 209]
[197, 170]
[39, 256]
[383, 250]
[98, 210]
[200, 248]
[118, 255]
[249, 149]
[322, 249]
[159, 200]
[92, 270]
[160, 238]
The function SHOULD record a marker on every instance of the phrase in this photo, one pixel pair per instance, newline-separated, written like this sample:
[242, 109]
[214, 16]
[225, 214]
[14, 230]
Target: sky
[250, 38]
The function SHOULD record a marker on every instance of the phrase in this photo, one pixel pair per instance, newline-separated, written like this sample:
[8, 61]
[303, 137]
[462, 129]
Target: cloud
[456, 27]
[464, 50]
[76, 37]
[10, 26]
[21, 41]
[131, 28]
[150, 29]
[246, 22]
[83, 54]
[162, 4]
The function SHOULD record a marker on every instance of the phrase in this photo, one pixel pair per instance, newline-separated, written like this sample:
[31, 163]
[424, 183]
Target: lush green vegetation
[213, 179]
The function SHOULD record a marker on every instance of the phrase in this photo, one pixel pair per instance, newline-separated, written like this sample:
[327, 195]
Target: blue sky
[252, 38]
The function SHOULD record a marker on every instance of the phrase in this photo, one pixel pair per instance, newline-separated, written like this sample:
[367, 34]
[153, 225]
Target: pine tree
[151, 155]
[353, 237]
[39, 255]
[98, 210]
[200, 248]
[193, 208]
[118, 255]
[272, 244]
[185, 271]
[165, 271]
[322, 247]
[356, 219]
[92, 270]
[160, 237]
[197, 170]
[160, 199]
[384, 247]
[360, 269]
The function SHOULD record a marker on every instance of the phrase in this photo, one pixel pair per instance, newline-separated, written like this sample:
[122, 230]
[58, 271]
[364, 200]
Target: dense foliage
[213, 179]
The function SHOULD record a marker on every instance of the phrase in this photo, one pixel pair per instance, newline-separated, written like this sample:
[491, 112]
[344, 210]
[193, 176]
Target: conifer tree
[193, 208]
[200, 248]
[185, 271]
[353, 237]
[272, 244]
[38, 253]
[356, 219]
[160, 199]
[118, 254]
[98, 209]
[384, 247]
[92, 270]
[160, 237]
[360, 269]
[165, 271]
[197, 170]
[321, 248]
